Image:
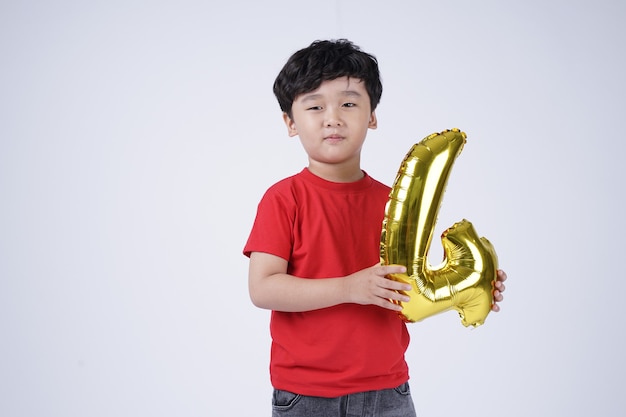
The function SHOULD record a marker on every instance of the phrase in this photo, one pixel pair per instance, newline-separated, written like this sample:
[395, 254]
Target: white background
[136, 138]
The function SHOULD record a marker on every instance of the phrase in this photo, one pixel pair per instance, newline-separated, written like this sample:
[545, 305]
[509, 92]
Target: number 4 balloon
[464, 281]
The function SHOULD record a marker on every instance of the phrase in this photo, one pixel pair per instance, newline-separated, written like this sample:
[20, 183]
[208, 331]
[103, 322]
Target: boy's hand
[497, 292]
[370, 286]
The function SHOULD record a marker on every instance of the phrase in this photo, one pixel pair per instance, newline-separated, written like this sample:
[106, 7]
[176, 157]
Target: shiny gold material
[465, 279]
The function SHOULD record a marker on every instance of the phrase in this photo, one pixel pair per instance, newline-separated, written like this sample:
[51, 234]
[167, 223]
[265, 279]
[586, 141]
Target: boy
[337, 343]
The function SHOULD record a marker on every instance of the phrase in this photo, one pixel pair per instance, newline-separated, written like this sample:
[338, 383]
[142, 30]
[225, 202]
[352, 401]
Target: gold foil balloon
[464, 281]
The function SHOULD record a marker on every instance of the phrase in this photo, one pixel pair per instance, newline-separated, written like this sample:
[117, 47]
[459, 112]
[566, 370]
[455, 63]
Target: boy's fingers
[393, 269]
[395, 285]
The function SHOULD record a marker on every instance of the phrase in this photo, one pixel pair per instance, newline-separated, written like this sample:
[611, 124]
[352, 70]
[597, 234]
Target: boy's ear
[291, 125]
[373, 122]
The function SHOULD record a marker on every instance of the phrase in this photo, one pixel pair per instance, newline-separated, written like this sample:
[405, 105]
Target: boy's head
[323, 61]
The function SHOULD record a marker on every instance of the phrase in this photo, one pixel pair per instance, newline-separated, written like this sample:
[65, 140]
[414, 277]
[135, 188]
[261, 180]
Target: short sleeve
[272, 230]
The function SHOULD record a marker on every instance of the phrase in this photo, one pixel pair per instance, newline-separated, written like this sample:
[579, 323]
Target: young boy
[338, 344]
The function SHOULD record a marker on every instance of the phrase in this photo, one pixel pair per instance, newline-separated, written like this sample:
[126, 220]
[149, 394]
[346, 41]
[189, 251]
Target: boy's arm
[272, 288]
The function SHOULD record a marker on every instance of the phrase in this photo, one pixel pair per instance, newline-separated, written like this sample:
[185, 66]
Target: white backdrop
[136, 138]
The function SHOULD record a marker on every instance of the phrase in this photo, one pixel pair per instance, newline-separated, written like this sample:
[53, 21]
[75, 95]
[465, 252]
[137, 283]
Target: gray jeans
[395, 402]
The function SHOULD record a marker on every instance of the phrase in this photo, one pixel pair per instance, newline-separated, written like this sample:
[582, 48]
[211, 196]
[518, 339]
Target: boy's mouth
[333, 138]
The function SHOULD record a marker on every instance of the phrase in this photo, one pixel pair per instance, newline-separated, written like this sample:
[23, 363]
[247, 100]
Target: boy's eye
[315, 108]
[349, 104]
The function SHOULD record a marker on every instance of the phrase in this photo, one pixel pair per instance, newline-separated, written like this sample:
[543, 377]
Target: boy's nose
[332, 118]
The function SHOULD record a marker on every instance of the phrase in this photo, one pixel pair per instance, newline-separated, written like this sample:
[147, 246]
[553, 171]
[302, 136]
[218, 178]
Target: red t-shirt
[326, 229]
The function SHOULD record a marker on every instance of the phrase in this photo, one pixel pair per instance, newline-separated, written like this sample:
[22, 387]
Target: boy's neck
[337, 173]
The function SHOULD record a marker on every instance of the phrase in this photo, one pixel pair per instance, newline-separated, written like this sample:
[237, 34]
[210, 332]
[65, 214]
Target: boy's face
[332, 122]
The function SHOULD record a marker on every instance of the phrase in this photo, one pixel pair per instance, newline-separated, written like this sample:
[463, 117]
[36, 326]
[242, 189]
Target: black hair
[326, 60]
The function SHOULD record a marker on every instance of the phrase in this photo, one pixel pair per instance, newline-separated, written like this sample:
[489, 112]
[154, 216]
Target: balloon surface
[464, 281]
